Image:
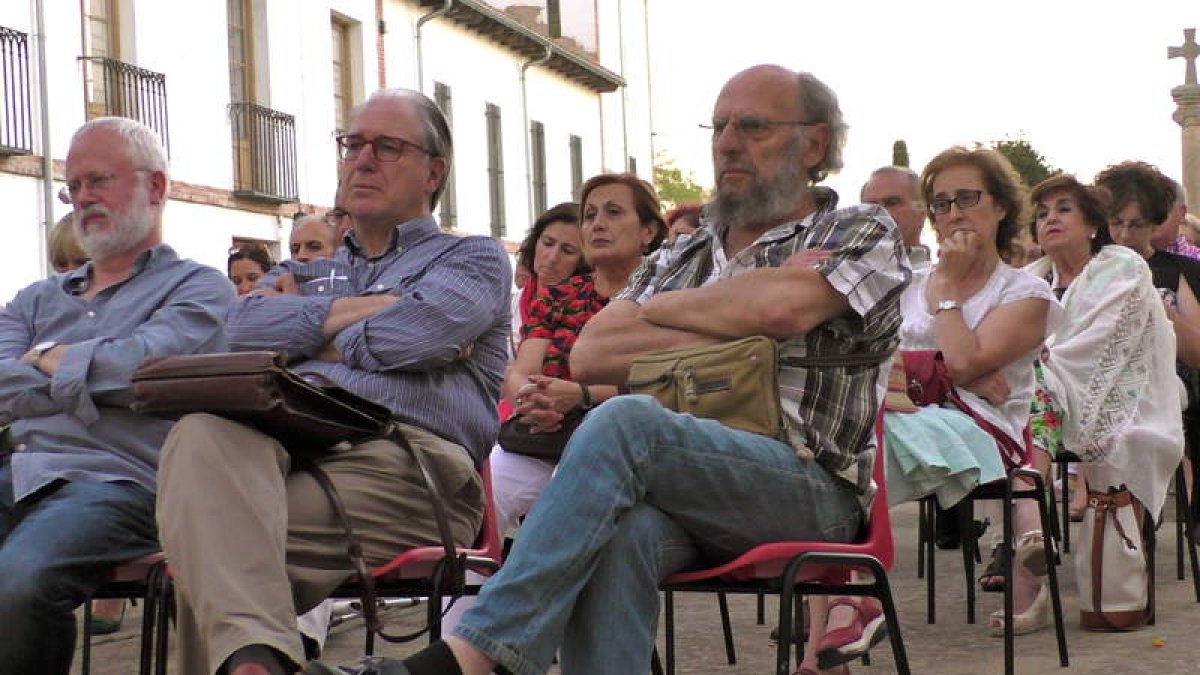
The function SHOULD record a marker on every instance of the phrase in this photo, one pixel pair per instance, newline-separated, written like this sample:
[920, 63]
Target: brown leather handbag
[257, 388]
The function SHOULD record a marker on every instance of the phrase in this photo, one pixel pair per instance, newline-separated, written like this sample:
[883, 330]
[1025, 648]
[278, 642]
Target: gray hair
[142, 144]
[435, 129]
[820, 105]
[306, 219]
[913, 179]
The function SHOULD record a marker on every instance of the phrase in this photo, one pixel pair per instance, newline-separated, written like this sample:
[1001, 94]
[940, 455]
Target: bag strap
[836, 360]
[456, 563]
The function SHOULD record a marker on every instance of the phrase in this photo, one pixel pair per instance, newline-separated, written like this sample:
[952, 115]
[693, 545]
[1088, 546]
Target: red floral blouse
[557, 314]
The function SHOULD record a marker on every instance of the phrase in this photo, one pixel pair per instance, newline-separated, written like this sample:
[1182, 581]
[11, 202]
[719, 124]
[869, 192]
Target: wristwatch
[41, 348]
[947, 305]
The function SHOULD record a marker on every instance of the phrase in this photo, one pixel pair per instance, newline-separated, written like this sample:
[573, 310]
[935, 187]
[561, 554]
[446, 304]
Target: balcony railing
[264, 153]
[16, 127]
[121, 89]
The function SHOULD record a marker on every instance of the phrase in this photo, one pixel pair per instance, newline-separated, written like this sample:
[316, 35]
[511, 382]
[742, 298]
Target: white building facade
[248, 95]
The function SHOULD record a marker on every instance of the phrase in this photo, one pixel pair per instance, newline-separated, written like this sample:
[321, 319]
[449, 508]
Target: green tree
[1026, 160]
[673, 186]
[900, 153]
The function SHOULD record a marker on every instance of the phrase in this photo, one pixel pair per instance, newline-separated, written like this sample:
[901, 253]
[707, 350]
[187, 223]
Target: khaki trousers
[253, 543]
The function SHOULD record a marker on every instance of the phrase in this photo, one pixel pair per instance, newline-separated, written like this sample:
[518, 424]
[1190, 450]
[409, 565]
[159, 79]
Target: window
[495, 170]
[448, 213]
[100, 41]
[343, 94]
[241, 52]
[537, 151]
[576, 166]
[631, 167]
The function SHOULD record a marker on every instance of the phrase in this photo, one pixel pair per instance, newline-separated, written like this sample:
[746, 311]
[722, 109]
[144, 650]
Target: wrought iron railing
[124, 90]
[264, 153]
[16, 126]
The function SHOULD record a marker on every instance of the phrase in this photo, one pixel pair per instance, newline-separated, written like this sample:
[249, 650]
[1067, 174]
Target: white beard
[127, 229]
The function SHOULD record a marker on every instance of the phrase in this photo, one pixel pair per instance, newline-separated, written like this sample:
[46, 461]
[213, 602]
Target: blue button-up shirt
[77, 425]
[413, 356]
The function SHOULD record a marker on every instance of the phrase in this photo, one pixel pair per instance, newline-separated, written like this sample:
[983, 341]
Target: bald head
[312, 237]
[897, 189]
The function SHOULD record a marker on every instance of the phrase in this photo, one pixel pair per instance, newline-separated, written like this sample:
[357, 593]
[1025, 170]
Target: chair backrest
[879, 527]
[489, 539]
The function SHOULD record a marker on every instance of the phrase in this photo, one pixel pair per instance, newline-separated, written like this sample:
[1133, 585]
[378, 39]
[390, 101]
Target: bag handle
[456, 563]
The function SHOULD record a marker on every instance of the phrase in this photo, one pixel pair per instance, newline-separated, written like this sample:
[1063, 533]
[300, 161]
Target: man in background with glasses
[404, 314]
[77, 490]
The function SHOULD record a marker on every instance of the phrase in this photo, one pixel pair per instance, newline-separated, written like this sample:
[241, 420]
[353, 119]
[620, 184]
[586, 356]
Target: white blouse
[1005, 286]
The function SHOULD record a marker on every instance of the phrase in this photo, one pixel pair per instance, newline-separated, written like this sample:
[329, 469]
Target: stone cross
[1188, 51]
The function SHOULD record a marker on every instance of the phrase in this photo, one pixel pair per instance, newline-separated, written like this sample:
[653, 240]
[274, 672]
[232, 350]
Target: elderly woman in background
[683, 219]
[1115, 339]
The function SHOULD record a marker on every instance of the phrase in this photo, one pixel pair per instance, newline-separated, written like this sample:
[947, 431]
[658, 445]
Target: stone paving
[951, 647]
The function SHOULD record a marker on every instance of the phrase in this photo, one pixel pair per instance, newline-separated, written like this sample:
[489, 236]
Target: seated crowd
[1066, 355]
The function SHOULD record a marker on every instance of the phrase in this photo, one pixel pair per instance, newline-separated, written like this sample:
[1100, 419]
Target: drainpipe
[649, 83]
[527, 131]
[417, 38]
[47, 157]
[624, 87]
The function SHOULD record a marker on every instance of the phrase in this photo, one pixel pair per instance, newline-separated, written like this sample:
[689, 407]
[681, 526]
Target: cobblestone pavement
[951, 647]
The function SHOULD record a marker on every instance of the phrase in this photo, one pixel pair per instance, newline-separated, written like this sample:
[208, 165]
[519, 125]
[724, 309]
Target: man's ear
[439, 169]
[158, 187]
[816, 144]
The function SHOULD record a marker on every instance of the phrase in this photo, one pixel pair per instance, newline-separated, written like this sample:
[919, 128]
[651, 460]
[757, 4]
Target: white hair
[142, 144]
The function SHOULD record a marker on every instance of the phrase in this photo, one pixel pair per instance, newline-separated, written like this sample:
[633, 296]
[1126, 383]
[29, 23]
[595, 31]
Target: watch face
[43, 347]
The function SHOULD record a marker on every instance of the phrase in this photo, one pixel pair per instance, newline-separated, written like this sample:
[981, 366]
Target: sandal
[1031, 553]
[992, 579]
[842, 645]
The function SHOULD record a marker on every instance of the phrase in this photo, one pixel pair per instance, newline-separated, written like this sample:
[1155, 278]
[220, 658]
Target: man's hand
[329, 354]
[49, 360]
[284, 285]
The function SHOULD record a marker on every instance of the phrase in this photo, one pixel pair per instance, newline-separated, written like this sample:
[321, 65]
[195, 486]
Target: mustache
[93, 210]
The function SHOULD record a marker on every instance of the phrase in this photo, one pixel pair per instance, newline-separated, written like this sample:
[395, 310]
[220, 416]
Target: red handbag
[929, 383]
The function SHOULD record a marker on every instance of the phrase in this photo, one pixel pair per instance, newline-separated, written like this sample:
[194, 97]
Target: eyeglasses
[965, 199]
[385, 148]
[754, 128]
[93, 182]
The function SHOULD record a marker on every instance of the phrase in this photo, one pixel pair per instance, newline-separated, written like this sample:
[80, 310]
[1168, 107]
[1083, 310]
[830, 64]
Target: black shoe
[946, 532]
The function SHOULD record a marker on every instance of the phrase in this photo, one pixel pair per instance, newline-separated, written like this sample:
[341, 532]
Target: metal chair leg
[727, 629]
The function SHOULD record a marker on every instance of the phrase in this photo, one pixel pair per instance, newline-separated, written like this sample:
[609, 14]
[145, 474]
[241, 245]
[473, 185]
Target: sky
[1087, 83]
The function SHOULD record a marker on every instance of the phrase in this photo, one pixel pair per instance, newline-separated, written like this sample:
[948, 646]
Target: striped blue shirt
[77, 425]
[453, 295]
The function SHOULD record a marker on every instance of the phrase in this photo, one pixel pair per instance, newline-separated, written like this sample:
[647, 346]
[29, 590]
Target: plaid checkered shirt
[829, 411]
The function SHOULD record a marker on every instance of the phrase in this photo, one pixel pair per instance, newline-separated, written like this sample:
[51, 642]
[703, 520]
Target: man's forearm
[348, 311]
[606, 348]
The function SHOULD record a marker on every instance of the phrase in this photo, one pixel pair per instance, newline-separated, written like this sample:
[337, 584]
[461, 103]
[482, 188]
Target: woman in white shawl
[1110, 366]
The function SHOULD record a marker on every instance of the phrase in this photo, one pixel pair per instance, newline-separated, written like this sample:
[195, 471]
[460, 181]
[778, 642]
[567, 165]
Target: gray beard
[768, 201]
[129, 229]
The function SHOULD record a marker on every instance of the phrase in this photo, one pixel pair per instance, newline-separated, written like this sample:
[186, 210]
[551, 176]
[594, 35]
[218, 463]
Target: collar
[77, 281]
[405, 235]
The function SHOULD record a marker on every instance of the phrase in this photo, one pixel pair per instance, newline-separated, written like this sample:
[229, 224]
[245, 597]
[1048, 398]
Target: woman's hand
[542, 402]
[991, 387]
[959, 253]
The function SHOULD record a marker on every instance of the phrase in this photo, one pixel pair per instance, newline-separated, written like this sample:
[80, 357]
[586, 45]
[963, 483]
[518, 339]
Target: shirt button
[20, 447]
[379, 287]
[91, 313]
[320, 289]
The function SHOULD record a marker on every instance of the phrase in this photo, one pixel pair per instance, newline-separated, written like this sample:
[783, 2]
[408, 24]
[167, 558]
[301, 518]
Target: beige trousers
[253, 543]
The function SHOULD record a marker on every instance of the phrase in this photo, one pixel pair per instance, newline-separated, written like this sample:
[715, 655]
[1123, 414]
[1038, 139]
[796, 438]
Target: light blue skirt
[939, 451]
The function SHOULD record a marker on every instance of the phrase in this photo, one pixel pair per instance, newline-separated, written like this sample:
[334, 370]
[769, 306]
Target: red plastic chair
[421, 572]
[144, 579]
[814, 568]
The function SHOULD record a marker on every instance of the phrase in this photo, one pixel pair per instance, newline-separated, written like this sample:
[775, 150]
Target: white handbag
[1112, 565]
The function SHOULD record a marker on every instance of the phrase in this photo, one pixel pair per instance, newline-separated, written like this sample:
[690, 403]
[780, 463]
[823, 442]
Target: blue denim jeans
[642, 492]
[56, 548]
